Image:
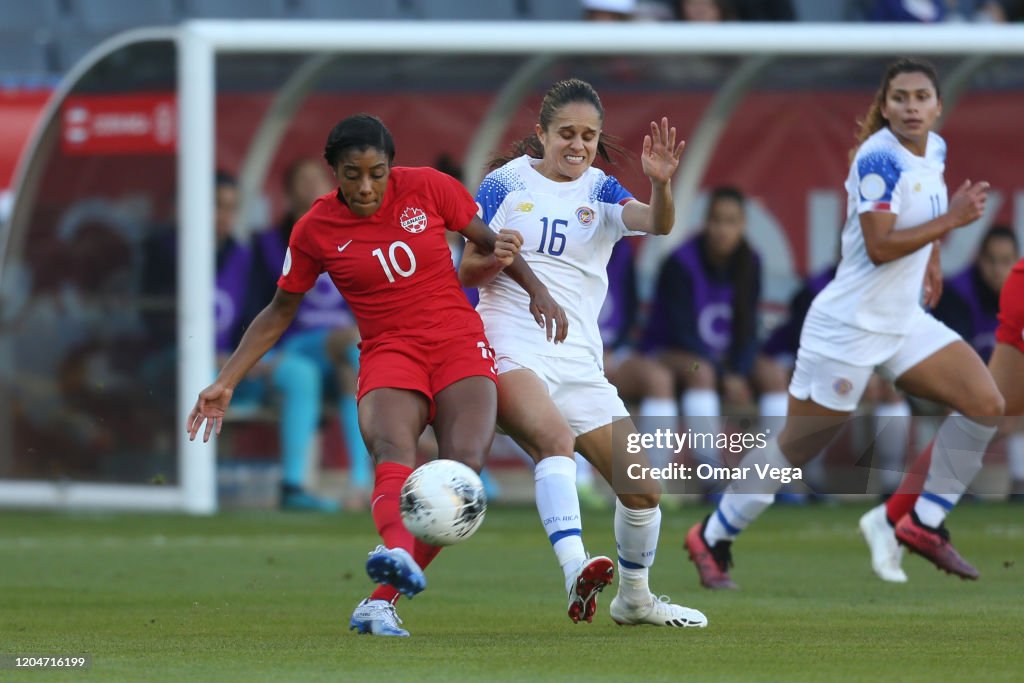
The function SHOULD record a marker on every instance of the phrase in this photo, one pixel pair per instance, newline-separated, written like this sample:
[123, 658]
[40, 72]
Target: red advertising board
[119, 124]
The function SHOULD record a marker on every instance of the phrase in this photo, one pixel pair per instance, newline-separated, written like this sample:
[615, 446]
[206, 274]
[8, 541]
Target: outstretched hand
[210, 408]
[661, 154]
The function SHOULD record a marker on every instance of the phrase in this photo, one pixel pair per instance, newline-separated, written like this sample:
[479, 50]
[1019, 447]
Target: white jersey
[569, 230]
[885, 177]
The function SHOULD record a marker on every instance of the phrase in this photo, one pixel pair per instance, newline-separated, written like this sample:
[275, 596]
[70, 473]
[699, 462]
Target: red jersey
[1011, 309]
[394, 268]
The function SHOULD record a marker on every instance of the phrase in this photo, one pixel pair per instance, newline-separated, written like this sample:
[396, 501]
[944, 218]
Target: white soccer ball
[443, 502]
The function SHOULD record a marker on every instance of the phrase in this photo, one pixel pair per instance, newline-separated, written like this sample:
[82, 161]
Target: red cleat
[712, 563]
[594, 575]
[934, 546]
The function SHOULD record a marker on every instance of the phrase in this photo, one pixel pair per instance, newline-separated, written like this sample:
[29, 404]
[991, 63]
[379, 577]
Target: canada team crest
[585, 215]
[413, 220]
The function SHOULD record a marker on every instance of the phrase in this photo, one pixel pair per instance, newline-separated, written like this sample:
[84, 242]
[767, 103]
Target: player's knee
[701, 375]
[640, 501]
[384, 448]
[562, 443]
[658, 382]
[471, 457]
[989, 404]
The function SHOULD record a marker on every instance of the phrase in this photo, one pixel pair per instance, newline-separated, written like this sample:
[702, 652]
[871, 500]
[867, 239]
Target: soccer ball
[443, 502]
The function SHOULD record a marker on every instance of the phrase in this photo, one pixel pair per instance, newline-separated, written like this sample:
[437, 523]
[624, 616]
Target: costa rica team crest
[585, 215]
[413, 220]
[842, 386]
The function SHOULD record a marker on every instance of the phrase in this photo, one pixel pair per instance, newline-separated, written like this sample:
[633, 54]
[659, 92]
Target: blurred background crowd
[88, 315]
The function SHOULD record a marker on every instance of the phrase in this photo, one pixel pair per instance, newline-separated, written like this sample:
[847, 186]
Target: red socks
[902, 502]
[387, 491]
[390, 477]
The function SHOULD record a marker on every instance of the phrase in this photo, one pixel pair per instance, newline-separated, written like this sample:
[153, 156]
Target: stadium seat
[72, 45]
[27, 15]
[816, 10]
[22, 54]
[351, 9]
[104, 17]
[452, 10]
[555, 10]
[236, 9]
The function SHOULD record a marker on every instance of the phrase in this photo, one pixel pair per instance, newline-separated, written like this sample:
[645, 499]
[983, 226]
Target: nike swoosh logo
[342, 247]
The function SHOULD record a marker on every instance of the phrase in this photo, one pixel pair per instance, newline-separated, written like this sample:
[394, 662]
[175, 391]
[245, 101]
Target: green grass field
[267, 597]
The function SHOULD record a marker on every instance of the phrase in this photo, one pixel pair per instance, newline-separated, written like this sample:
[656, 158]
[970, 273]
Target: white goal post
[201, 42]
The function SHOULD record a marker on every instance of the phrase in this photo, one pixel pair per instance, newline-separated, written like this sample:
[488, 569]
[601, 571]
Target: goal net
[107, 262]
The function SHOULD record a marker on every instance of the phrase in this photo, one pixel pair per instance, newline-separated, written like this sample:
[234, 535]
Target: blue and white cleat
[396, 568]
[378, 618]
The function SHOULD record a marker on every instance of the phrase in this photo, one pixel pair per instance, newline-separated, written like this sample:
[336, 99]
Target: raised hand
[210, 408]
[661, 154]
[968, 203]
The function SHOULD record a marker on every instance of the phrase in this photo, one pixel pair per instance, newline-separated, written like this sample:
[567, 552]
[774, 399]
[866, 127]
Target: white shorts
[839, 384]
[578, 387]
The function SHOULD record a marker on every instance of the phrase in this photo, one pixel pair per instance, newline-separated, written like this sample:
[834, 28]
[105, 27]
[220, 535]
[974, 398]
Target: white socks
[658, 407]
[702, 409]
[1015, 456]
[956, 459]
[559, 507]
[746, 499]
[892, 441]
[584, 471]
[636, 536]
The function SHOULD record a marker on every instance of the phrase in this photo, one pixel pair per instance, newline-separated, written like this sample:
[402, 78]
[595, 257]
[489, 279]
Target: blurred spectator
[324, 331]
[293, 377]
[78, 341]
[640, 381]
[1001, 11]
[764, 10]
[609, 10]
[970, 300]
[706, 10]
[703, 321]
[923, 11]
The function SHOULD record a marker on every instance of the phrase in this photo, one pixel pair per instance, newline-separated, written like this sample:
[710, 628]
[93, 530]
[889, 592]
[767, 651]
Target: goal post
[712, 70]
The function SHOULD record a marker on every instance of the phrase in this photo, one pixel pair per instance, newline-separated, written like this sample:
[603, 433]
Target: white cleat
[378, 618]
[657, 612]
[886, 552]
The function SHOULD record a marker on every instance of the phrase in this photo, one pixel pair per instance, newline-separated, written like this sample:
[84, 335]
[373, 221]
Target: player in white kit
[566, 216]
[870, 315]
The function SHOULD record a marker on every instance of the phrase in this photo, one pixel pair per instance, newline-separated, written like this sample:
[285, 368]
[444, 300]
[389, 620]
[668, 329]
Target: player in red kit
[424, 357]
[887, 527]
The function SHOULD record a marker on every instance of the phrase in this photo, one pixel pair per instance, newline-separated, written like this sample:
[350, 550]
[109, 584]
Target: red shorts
[424, 366]
[1011, 310]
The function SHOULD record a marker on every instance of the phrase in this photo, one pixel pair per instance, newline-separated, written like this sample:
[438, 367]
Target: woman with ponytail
[871, 315]
[567, 217]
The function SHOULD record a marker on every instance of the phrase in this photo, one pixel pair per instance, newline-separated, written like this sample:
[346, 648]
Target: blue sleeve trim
[489, 197]
[611, 192]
